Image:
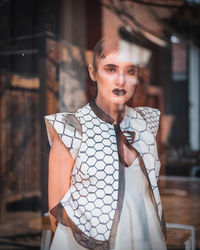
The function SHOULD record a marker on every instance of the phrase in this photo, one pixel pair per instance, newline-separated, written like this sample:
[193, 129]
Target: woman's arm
[60, 167]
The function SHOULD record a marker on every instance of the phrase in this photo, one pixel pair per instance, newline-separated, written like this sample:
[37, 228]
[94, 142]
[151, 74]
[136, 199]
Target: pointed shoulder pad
[151, 116]
[68, 128]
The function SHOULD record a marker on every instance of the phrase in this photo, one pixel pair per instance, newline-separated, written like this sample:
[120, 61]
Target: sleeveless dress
[134, 221]
[137, 230]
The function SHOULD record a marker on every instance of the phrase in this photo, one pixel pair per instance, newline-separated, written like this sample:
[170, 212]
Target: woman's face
[116, 79]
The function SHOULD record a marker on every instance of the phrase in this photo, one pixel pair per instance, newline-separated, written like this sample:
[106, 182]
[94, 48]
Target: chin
[120, 100]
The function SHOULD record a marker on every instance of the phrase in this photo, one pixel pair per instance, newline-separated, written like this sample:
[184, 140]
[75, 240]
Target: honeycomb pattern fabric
[144, 121]
[68, 128]
[92, 200]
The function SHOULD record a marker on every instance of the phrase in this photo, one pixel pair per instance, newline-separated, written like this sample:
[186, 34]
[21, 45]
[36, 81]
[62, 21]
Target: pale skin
[60, 167]
[112, 72]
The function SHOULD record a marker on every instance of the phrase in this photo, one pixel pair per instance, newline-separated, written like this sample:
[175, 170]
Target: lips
[119, 92]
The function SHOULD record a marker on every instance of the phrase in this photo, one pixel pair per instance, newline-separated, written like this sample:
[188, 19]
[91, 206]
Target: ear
[92, 72]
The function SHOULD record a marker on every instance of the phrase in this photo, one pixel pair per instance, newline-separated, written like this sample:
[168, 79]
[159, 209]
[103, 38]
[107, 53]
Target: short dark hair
[103, 47]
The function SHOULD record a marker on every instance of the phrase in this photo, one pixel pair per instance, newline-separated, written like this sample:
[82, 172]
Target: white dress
[138, 228]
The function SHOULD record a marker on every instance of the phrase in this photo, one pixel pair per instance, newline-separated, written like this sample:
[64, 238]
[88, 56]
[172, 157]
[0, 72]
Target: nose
[120, 81]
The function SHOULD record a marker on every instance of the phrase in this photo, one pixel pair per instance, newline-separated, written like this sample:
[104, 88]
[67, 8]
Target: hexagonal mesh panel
[92, 199]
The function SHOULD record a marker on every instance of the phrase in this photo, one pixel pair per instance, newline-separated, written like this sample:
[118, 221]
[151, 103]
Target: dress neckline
[103, 115]
[135, 162]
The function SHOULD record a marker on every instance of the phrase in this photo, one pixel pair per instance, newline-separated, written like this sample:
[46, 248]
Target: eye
[131, 71]
[111, 69]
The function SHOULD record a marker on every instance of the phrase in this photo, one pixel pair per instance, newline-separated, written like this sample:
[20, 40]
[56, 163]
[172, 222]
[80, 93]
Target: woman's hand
[60, 167]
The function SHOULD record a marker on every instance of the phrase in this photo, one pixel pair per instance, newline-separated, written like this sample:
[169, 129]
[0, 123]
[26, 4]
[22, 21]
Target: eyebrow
[110, 64]
[113, 65]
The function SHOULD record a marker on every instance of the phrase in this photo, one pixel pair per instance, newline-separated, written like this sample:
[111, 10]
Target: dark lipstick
[119, 92]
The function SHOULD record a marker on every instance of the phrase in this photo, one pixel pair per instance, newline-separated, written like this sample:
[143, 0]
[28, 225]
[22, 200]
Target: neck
[116, 111]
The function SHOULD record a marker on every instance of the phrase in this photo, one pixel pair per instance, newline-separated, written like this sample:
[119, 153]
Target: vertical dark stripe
[121, 186]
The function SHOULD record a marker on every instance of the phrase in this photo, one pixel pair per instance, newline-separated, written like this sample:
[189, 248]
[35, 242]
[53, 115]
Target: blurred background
[45, 47]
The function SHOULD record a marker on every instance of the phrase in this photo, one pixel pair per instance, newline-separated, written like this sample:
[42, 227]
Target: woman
[104, 166]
